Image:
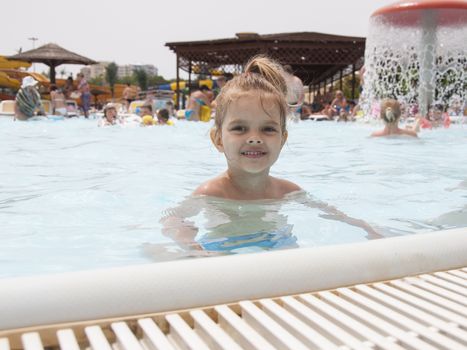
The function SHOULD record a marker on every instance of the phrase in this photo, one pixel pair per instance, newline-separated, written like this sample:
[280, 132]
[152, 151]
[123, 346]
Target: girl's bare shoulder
[212, 188]
[285, 186]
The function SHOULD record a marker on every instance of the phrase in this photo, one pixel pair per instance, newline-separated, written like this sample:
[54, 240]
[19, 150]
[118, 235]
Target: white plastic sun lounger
[393, 293]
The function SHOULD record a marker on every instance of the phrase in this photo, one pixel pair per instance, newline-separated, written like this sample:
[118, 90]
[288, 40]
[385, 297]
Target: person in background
[110, 116]
[28, 100]
[169, 105]
[390, 113]
[68, 88]
[198, 99]
[85, 91]
[295, 93]
[128, 96]
[338, 103]
[147, 115]
[163, 117]
[327, 111]
[58, 101]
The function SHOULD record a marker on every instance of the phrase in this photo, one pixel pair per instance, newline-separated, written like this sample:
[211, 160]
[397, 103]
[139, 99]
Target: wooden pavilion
[316, 58]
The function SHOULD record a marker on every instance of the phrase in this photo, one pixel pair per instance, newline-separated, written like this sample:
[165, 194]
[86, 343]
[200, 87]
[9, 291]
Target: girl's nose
[254, 140]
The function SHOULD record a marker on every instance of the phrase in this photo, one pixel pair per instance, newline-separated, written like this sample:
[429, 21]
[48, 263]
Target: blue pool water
[74, 196]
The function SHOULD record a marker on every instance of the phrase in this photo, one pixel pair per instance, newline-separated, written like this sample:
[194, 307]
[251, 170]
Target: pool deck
[402, 292]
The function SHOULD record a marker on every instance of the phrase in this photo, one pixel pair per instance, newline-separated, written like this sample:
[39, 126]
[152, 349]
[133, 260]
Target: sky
[135, 31]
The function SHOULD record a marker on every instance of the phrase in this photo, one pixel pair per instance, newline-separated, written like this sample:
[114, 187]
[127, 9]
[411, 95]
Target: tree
[142, 78]
[111, 76]
[63, 72]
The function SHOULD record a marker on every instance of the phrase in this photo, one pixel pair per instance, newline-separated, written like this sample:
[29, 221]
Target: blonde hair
[390, 110]
[261, 74]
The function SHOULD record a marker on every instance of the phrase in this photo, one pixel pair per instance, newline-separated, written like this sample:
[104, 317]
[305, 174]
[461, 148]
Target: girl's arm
[177, 226]
[333, 213]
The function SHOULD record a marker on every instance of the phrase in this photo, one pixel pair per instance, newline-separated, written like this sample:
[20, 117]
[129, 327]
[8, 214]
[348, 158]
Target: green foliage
[157, 80]
[97, 81]
[142, 78]
[111, 75]
[347, 87]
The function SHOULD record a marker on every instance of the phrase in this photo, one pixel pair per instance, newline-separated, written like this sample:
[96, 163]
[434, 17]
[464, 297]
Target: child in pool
[250, 129]
[390, 112]
[110, 116]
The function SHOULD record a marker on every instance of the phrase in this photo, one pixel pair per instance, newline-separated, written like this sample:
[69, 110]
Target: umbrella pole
[52, 73]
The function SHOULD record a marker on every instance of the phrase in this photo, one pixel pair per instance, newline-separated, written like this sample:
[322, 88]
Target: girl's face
[111, 114]
[251, 137]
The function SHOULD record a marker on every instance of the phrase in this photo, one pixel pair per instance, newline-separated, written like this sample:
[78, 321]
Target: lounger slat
[97, 339]
[4, 344]
[307, 335]
[153, 337]
[183, 335]
[354, 324]
[453, 279]
[424, 309]
[438, 290]
[32, 341]
[211, 332]
[268, 328]
[125, 337]
[458, 273]
[399, 320]
[67, 340]
[241, 331]
[392, 332]
[430, 297]
[425, 322]
[315, 320]
[448, 285]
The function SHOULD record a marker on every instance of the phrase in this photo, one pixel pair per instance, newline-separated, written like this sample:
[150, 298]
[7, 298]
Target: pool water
[74, 196]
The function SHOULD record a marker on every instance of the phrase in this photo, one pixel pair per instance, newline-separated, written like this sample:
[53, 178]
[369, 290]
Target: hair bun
[390, 114]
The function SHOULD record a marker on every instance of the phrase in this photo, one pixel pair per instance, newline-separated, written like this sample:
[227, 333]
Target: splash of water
[422, 66]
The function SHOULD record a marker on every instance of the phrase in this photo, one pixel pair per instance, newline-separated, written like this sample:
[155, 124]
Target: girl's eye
[270, 129]
[238, 128]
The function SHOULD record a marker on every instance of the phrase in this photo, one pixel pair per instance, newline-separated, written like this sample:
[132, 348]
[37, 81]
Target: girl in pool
[110, 116]
[390, 112]
[250, 130]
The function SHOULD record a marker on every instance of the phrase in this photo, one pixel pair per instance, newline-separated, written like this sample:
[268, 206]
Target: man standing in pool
[250, 130]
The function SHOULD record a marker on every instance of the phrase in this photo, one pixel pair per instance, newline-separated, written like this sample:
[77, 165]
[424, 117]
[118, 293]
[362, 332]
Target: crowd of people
[202, 103]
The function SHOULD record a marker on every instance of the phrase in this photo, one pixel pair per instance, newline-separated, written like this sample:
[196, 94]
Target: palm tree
[141, 78]
[111, 76]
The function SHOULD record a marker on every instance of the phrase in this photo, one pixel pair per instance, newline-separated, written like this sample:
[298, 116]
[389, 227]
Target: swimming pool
[74, 196]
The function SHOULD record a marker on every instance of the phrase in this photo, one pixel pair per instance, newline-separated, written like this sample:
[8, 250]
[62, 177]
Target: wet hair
[108, 107]
[163, 114]
[148, 106]
[390, 110]
[261, 74]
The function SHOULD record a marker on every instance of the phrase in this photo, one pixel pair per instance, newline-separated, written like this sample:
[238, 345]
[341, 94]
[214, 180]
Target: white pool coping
[170, 286]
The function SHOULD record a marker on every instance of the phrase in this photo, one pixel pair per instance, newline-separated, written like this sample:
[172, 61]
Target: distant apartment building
[128, 69]
[98, 70]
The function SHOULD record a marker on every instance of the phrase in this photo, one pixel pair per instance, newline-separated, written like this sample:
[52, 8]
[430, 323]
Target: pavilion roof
[313, 56]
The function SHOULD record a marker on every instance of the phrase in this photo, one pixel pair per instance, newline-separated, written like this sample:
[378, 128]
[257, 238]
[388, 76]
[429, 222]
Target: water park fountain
[416, 52]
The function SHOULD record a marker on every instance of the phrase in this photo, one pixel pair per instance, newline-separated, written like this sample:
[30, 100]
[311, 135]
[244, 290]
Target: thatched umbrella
[53, 56]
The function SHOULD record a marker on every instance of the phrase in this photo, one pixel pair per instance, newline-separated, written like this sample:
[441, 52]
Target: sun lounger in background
[47, 106]
[72, 108]
[7, 108]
